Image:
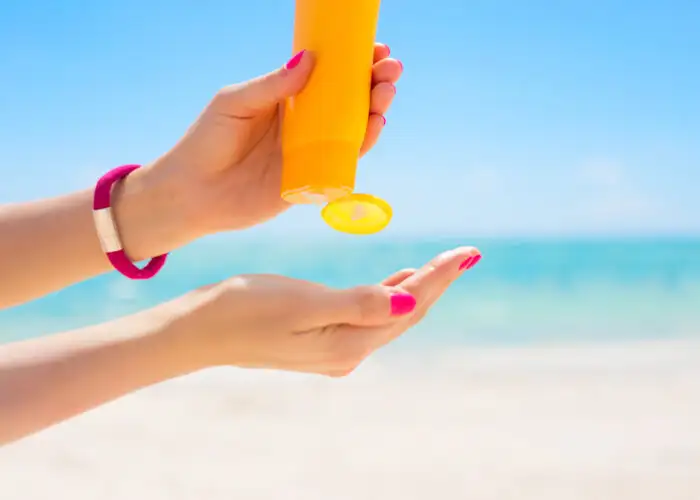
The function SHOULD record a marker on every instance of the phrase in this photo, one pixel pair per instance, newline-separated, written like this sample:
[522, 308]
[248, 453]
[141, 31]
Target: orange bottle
[324, 126]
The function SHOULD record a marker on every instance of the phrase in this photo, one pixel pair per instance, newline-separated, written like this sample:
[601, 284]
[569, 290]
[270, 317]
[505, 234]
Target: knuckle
[221, 96]
[226, 96]
[370, 302]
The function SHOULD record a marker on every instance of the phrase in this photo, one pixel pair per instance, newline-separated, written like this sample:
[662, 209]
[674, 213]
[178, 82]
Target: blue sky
[513, 117]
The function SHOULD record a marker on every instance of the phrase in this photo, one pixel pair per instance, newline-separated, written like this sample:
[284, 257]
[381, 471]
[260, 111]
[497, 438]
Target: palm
[255, 172]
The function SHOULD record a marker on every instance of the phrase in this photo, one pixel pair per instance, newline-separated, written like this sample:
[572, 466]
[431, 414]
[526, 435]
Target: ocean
[522, 292]
[555, 369]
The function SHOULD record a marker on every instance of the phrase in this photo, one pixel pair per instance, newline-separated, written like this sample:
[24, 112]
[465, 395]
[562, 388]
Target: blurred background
[561, 138]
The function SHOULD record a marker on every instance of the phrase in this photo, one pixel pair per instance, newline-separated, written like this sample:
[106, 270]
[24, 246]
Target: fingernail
[400, 64]
[382, 117]
[388, 50]
[393, 87]
[294, 61]
[402, 303]
[470, 262]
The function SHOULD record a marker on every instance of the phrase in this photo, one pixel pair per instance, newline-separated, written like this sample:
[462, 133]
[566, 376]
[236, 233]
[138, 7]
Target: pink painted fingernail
[402, 303]
[388, 50]
[294, 61]
[382, 117]
[470, 262]
[393, 87]
[400, 64]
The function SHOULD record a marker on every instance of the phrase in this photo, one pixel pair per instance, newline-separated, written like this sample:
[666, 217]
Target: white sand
[592, 423]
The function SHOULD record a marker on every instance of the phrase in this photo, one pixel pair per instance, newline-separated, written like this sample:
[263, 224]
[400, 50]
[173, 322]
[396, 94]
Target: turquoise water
[523, 291]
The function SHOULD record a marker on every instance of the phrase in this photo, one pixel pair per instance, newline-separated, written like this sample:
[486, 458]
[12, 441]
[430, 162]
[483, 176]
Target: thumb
[362, 306]
[266, 91]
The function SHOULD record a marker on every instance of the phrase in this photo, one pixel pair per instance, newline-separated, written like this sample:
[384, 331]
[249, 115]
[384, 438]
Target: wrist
[182, 333]
[148, 345]
[151, 214]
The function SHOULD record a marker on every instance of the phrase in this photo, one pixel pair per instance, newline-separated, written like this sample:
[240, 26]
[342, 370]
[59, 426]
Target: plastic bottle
[324, 126]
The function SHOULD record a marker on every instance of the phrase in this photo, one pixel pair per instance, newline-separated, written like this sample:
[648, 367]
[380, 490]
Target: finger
[381, 97]
[268, 90]
[364, 305]
[432, 280]
[397, 278]
[387, 70]
[381, 51]
[426, 285]
[375, 125]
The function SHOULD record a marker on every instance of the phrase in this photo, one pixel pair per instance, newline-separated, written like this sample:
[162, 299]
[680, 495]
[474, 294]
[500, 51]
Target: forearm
[49, 244]
[50, 379]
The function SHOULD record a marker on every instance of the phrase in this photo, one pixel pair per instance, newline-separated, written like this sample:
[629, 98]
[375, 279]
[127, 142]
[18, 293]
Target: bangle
[107, 231]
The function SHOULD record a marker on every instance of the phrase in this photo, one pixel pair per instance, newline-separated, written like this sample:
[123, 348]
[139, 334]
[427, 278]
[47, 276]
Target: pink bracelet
[107, 228]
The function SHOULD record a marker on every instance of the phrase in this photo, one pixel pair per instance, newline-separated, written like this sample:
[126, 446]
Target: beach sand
[599, 422]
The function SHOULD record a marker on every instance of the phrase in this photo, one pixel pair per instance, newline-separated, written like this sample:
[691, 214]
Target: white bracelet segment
[107, 230]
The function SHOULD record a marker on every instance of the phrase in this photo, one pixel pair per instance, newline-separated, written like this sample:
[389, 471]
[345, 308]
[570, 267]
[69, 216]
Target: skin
[223, 174]
[254, 321]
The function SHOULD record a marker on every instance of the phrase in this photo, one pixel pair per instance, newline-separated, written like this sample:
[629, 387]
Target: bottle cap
[357, 214]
